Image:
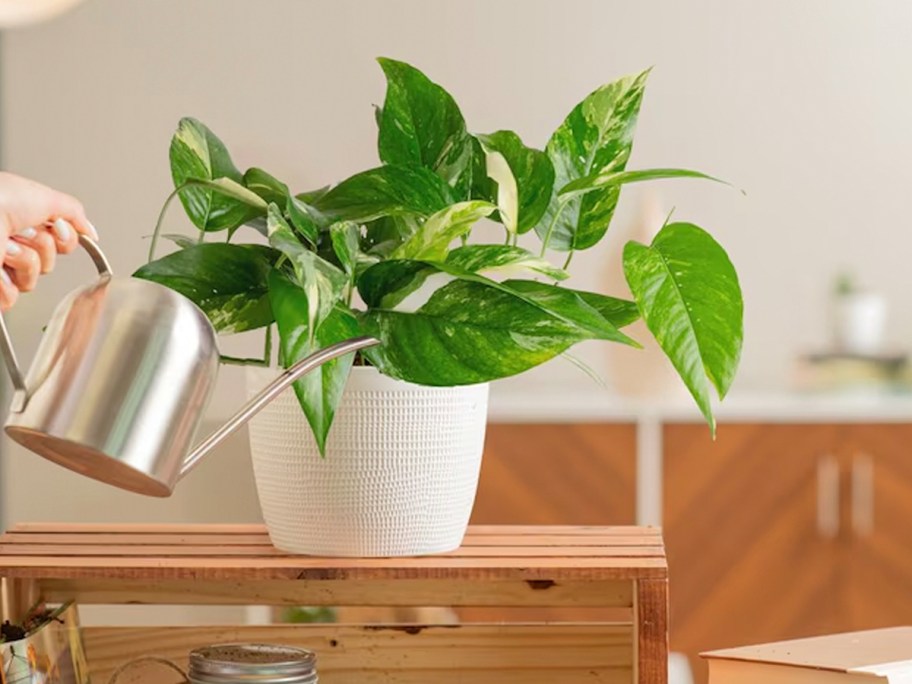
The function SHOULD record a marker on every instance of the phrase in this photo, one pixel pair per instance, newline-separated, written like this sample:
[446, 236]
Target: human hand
[36, 224]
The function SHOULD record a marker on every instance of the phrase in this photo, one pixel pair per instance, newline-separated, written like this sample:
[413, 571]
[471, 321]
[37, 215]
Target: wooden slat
[481, 654]
[259, 528]
[329, 592]
[262, 551]
[550, 540]
[174, 552]
[651, 638]
[301, 568]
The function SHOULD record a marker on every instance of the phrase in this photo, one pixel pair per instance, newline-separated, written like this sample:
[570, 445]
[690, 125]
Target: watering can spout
[270, 392]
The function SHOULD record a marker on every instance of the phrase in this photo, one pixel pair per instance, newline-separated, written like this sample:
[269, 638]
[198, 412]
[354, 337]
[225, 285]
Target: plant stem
[158, 224]
[267, 350]
[569, 259]
[507, 240]
[561, 205]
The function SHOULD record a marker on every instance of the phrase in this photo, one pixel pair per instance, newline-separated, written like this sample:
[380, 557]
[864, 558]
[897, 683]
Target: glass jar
[252, 664]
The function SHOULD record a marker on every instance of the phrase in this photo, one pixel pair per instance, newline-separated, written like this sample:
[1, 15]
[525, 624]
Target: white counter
[588, 405]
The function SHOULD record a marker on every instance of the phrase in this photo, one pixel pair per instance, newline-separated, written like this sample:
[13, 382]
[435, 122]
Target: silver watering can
[120, 380]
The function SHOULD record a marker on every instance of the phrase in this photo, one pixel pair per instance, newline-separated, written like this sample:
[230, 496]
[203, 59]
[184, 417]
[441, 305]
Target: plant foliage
[449, 311]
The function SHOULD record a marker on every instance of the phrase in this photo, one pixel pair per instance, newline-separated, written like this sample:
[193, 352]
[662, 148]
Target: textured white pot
[400, 473]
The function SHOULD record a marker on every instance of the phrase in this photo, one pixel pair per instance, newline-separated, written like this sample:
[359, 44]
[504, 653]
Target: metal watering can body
[119, 382]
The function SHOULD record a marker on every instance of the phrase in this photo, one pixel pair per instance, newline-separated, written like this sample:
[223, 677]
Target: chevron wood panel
[877, 543]
[556, 474]
[745, 557]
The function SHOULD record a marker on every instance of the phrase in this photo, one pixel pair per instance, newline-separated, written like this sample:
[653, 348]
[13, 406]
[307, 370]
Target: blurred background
[806, 106]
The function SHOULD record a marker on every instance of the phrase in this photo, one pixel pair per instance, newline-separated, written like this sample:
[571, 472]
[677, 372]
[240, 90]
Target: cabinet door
[558, 474]
[748, 560]
[878, 546]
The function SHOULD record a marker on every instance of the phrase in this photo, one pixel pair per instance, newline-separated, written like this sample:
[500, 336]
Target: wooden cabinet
[555, 474]
[558, 474]
[780, 531]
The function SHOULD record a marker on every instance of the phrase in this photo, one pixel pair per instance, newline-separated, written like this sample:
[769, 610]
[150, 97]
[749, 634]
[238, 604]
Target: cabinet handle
[827, 497]
[862, 494]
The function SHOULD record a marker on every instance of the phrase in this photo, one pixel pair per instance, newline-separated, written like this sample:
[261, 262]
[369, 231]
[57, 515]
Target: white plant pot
[400, 473]
[859, 322]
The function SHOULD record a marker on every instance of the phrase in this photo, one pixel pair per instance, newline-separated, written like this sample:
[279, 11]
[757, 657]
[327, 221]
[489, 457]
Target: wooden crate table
[509, 567]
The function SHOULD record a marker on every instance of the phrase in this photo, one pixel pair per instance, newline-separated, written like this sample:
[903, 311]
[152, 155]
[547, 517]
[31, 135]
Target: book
[880, 656]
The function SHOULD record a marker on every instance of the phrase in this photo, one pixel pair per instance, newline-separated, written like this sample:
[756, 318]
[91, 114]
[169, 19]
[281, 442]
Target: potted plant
[389, 252]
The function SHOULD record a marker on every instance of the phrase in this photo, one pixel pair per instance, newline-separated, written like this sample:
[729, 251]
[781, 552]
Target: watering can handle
[271, 391]
[6, 344]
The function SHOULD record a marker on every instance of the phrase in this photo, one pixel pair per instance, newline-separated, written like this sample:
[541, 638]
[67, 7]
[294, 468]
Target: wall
[804, 105]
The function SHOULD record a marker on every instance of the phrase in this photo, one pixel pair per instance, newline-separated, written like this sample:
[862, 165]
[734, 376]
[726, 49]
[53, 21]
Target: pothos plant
[393, 232]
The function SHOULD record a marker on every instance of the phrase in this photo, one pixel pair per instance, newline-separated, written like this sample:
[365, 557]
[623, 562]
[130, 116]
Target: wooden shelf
[622, 568]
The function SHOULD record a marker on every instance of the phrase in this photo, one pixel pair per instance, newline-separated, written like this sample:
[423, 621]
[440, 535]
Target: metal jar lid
[252, 664]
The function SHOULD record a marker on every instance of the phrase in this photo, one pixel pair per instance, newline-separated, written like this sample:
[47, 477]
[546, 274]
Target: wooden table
[617, 568]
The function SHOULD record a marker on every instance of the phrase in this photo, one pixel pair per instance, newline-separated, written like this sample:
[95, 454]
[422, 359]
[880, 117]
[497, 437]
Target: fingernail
[62, 229]
[12, 248]
[28, 233]
[92, 230]
[4, 276]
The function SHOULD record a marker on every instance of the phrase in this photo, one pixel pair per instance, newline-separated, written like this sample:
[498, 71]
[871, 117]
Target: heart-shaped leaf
[228, 282]
[319, 391]
[197, 154]
[596, 136]
[433, 237]
[688, 292]
[451, 340]
[421, 125]
[503, 260]
[386, 191]
[532, 174]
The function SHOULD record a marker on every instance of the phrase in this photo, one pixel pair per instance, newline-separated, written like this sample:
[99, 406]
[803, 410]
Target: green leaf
[346, 244]
[421, 125]
[609, 178]
[432, 239]
[388, 284]
[619, 312]
[321, 282]
[688, 292]
[181, 241]
[319, 391]
[386, 191]
[467, 332]
[228, 282]
[502, 259]
[596, 137]
[533, 176]
[568, 305]
[304, 219]
[270, 188]
[198, 155]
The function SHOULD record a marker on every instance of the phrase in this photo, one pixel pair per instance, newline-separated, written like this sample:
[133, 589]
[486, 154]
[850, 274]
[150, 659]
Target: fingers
[44, 244]
[71, 210]
[23, 265]
[64, 235]
[9, 293]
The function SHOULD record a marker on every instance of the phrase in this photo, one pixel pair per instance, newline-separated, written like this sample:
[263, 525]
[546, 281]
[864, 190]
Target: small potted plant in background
[389, 252]
[859, 318]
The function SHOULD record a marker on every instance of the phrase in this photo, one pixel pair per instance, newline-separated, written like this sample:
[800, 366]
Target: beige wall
[805, 105]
